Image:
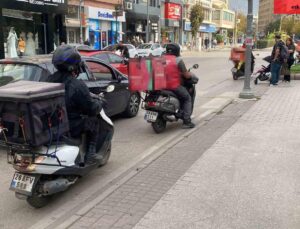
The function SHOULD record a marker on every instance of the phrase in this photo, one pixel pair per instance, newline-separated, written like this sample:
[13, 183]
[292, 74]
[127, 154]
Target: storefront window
[23, 33]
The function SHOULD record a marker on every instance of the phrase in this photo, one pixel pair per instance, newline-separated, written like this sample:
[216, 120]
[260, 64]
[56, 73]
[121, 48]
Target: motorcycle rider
[79, 102]
[181, 92]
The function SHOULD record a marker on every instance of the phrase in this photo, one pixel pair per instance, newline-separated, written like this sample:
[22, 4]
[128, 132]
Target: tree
[196, 18]
[242, 25]
[273, 27]
[287, 25]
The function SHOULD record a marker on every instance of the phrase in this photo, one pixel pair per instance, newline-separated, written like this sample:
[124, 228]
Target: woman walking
[291, 47]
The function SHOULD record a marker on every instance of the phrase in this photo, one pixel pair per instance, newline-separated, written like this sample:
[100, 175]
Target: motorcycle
[163, 106]
[45, 171]
[239, 68]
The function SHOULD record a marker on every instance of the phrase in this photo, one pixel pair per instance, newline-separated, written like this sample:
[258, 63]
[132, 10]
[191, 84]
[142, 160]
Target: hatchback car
[96, 74]
[113, 59]
[131, 49]
[148, 49]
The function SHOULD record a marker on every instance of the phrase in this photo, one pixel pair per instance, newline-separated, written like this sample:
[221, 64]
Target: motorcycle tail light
[151, 104]
[25, 163]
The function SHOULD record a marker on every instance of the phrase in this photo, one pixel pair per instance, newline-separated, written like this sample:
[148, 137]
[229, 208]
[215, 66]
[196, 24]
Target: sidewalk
[249, 178]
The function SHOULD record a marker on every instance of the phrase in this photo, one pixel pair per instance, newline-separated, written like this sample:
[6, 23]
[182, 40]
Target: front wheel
[133, 105]
[38, 201]
[159, 125]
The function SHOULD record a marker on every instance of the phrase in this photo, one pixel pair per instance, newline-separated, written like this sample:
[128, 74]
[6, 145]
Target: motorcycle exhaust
[55, 186]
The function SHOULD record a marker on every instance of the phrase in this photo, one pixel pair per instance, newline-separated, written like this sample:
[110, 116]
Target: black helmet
[173, 49]
[66, 58]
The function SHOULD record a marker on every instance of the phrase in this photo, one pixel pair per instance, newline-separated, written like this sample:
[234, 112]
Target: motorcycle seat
[71, 141]
[167, 93]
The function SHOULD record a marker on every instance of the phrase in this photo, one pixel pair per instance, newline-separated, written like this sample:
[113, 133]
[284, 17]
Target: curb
[150, 155]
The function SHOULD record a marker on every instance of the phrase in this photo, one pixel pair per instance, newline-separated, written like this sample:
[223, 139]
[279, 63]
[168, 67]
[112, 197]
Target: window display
[11, 43]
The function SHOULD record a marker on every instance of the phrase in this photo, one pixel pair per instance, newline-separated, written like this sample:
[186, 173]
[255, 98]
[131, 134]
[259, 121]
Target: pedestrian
[206, 43]
[215, 43]
[291, 49]
[123, 49]
[22, 46]
[278, 57]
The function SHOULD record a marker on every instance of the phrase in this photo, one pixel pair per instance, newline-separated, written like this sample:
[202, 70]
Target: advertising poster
[286, 6]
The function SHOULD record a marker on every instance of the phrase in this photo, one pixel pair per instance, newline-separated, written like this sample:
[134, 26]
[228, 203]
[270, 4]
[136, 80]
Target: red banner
[172, 11]
[286, 6]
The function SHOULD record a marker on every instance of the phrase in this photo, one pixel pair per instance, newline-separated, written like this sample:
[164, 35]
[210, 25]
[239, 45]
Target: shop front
[172, 22]
[103, 28]
[206, 31]
[37, 25]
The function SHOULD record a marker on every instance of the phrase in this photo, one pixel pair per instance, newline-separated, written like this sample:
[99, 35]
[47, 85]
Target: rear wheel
[133, 105]
[106, 156]
[38, 201]
[159, 125]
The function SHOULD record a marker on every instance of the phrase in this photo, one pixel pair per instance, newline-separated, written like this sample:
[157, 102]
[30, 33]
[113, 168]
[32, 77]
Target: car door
[155, 49]
[118, 62]
[104, 76]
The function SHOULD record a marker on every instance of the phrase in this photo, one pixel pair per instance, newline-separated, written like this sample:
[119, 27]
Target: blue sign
[94, 25]
[105, 15]
[206, 28]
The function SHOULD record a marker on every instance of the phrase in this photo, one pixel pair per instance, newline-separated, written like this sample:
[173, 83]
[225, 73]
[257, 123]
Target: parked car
[131, 49]
[82, 47]
[97, 75]
[113, 59]
[148, 49]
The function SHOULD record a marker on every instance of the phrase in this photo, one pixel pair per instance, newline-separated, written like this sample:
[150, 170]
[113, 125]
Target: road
[134, 139]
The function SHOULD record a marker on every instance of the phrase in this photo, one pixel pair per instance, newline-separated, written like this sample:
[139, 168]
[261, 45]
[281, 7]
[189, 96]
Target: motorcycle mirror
[195, 66]
[110, 88]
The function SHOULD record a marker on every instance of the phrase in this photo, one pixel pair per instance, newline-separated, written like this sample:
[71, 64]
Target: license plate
[234, 70]
[22, 182]
[151, 116]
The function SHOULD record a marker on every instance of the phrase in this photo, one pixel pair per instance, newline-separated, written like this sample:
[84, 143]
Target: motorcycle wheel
[159, 125]
[38, 201]
[106, 156]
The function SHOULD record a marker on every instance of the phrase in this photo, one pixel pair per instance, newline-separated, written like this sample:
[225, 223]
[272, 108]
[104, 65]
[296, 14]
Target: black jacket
[124, 50]
[78, 99]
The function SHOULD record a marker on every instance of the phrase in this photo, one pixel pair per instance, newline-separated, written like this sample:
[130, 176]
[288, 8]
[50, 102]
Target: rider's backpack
[32, 113]
[284, 52]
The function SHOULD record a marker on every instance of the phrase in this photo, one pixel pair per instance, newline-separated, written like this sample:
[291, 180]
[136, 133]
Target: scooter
[45, 171]
[163, 106]
[239, 68]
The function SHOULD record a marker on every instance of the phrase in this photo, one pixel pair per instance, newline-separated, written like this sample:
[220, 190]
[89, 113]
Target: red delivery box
[138, 75]
[238, 54]
[155, 73]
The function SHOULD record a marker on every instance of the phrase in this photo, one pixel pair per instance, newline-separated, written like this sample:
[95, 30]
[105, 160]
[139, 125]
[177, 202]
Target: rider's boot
[92, 157]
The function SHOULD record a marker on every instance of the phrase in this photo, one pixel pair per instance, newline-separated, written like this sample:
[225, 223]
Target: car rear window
[14, 72]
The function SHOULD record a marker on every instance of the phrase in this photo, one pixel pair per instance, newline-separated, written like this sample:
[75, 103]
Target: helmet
[66, 58]
[173, 49]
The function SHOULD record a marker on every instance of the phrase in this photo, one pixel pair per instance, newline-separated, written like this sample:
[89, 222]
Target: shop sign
[172, 11]
[59, 6]
[104, 14]
[286, 7]
[206, 28]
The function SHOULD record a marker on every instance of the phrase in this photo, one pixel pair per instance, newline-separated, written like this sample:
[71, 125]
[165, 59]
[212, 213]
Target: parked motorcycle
[45, 171]
[163, 106]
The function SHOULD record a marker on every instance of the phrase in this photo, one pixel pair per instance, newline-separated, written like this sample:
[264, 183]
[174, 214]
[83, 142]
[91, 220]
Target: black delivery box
[34, 113]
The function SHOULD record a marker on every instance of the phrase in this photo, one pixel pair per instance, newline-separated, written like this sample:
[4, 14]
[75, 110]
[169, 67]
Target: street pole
[80, 21]
[147, 32]
[247, 92]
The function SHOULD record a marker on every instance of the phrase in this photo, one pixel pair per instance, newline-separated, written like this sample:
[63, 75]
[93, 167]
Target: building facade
[265, 14]
[136, 20]
[223, 17]
[206, 29]
[39, 23]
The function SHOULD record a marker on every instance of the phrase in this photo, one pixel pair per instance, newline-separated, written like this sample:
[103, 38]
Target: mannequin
[30, 45]
[11, 43]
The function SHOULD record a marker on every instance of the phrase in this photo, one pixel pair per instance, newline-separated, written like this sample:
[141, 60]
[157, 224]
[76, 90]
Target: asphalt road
[134, 139]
